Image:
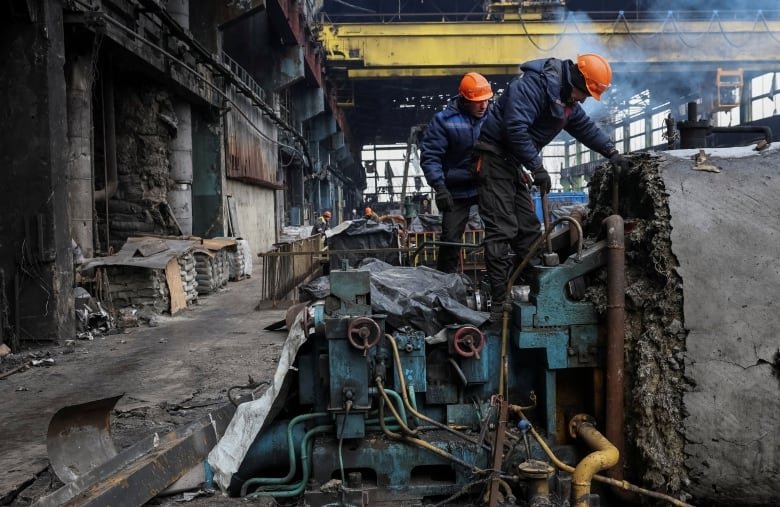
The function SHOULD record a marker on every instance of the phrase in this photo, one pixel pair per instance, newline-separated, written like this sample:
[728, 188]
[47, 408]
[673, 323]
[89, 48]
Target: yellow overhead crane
[496, 47]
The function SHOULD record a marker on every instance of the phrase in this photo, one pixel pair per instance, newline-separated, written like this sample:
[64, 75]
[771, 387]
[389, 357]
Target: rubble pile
[655, 334]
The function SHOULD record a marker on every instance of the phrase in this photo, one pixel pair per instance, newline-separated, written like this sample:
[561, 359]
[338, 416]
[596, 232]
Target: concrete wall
[725, 236]
[255, 206]
[35, 224]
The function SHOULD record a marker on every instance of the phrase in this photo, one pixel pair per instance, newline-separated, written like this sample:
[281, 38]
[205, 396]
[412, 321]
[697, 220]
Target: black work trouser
[453, 224]
[507, 209]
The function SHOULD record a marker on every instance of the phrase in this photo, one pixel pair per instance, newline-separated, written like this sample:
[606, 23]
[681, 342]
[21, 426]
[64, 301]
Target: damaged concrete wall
[702, 350]
[145, 125]
[35, 243]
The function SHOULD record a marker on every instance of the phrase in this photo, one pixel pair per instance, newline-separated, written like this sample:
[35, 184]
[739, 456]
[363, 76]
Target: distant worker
[369, 214]
[322, 224]
[446, 160]
[535, 107]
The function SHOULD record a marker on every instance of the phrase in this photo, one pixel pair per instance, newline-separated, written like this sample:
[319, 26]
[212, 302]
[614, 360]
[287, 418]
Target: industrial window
[636, 133]
[572, 154]
[554, 155]
[727, 118]
[658, 127]
[764, 96]
[385, 172]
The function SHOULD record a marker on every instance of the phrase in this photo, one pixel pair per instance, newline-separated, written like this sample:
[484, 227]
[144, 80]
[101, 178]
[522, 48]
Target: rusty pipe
[616, 285]
[605, 456]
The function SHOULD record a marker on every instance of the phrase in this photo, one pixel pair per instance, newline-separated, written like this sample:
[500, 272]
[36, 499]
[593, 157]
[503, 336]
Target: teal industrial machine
[492, 415]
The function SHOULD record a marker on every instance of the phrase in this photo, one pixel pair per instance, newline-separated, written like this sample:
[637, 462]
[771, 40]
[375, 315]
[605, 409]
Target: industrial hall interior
[379, 253]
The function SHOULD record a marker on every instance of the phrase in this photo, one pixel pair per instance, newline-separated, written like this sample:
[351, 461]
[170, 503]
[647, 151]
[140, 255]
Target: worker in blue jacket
[535, 107]
[446, 160]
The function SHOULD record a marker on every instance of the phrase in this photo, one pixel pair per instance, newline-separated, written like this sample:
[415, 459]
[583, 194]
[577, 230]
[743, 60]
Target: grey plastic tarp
[411, 296]
[363, 235]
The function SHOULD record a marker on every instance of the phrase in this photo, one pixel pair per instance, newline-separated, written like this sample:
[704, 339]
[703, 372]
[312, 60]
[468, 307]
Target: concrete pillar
[180, 194]
[79, 102]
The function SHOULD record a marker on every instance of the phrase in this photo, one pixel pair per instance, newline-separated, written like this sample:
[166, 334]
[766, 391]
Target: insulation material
[138, 287]
[212, 270]
[702, 349]
[239, 259]
[189, 276]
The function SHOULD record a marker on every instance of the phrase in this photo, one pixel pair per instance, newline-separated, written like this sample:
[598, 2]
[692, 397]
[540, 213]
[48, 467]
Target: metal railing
[289, 264]
[243, 76]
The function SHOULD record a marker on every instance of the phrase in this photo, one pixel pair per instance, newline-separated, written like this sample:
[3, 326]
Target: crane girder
[378, 50]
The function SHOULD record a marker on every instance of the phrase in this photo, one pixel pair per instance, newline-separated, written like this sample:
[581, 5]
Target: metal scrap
[702, 162]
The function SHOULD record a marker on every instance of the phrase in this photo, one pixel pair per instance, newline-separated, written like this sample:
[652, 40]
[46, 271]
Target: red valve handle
[468, 342]
[306, 322]
[363, 333]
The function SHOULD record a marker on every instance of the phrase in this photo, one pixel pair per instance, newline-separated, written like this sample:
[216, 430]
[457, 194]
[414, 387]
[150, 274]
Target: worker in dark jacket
[536, 106]
[322, 224]
[446, 160]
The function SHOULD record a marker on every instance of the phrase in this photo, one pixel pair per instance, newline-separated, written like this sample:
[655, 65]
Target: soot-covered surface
[702, 278]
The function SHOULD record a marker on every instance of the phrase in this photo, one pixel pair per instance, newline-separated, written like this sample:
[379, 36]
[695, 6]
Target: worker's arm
[585, 130]
[432, 149]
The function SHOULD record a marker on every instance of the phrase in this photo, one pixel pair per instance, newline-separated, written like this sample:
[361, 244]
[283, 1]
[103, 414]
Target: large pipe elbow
[604, 456]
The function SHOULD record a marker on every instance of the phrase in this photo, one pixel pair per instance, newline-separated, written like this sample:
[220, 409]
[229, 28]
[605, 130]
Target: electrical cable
[412, 410]
[267, 110]
[250, 385]
[537, 46]
[341, 441]
[424, 444]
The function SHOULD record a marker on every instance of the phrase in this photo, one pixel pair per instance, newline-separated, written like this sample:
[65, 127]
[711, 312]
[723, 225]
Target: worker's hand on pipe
[619, 162]
[542, 180]
[444, 199]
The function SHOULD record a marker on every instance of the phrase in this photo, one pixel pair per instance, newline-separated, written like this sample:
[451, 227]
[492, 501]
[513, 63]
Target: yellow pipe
[390, 405]
[605, 456]
[405, 396]
[600, 478]
[423, 444]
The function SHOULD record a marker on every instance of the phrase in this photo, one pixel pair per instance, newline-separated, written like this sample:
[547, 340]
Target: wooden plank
[175, 288]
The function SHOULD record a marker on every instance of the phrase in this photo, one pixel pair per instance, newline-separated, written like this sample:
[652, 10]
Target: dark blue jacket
[445, 151]
[531, 112]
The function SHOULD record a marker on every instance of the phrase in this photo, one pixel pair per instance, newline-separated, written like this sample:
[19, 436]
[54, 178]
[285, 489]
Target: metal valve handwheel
[306, 322]
[468, 342]
[363, 333]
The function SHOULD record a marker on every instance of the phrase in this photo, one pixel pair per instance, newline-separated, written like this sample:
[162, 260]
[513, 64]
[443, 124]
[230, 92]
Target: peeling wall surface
[256, 227]
[725, 234]
[702, 350]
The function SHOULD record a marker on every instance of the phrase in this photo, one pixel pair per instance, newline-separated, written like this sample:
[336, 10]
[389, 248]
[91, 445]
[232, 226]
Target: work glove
[542, 180]
[444, 200]
[619, 162]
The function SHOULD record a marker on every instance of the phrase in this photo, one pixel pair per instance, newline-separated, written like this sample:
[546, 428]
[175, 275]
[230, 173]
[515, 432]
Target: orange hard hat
[597, 73]
[368, 211]
[475, 87]
[327, 214]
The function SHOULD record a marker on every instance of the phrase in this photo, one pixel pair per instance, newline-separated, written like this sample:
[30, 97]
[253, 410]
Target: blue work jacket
[445, 151]
[531, 112]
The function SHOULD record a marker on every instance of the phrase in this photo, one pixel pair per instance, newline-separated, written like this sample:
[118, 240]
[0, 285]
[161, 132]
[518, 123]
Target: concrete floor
[170, 374]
